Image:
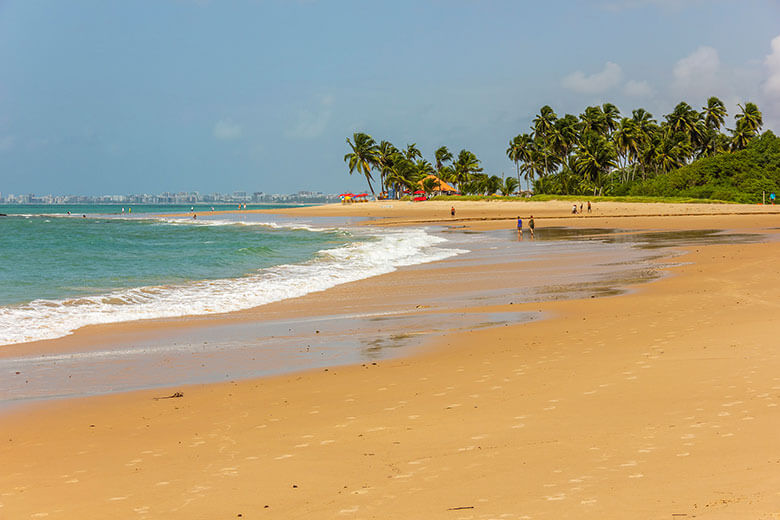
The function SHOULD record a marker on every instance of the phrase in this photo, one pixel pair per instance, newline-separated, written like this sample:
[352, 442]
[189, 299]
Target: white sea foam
[46, 319]
[225, 222]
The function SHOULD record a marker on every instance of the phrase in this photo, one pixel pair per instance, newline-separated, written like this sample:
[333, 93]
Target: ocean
[65, 267]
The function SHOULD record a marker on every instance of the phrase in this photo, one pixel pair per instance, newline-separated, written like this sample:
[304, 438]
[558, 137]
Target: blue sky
[122, 97]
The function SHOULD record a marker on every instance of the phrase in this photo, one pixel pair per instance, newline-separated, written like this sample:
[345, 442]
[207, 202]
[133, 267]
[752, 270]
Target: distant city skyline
[162, 95]
[181, 197]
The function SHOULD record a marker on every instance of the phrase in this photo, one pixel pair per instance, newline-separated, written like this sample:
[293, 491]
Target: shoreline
[528, 414]
[197, 346]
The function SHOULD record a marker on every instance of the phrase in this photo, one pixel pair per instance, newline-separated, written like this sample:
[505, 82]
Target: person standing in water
[531, 225]
[520, 227]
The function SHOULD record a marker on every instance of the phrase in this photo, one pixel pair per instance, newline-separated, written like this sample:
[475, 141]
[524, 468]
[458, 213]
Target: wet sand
[657, 403]
[328, 329]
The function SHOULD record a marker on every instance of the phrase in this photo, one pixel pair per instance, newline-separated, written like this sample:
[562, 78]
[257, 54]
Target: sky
[119, 97]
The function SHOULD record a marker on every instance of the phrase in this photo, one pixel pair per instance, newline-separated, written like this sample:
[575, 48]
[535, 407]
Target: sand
[659, 403]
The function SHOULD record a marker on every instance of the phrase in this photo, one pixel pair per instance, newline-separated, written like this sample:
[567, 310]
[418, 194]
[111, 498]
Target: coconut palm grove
[689, 153]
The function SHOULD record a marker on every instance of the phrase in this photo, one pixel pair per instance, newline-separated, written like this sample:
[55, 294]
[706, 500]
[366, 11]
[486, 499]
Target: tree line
[406, 169]
[601, 152]
[598, 152]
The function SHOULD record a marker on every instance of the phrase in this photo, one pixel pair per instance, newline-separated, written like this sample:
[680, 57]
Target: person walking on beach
[452, 211]
[574, 209]
[588, 206]
[531, 225]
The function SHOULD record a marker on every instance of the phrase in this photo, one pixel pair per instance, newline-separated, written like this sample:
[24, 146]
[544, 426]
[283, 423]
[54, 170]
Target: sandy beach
[661, 402]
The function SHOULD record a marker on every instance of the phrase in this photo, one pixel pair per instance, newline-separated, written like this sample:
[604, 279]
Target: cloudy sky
[116, 96]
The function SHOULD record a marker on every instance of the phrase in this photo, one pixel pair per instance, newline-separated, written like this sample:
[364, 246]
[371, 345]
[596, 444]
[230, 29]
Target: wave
[255, 223]
[371, 256]
[186, 221]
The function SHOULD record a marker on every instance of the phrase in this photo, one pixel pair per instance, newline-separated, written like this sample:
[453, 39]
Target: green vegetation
[599, 153]
[580, 198]
[741, 176]
[686, 155]
[406, 170]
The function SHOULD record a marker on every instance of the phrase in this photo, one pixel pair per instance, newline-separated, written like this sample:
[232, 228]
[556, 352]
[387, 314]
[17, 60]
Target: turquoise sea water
[128, 209]
[59, 272]
[59, 257]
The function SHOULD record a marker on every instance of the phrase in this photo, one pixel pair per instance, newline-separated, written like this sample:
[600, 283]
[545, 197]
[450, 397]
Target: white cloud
[311, 123]
[226, 130]
[638, 89]
[772, 62]
[596, 83]
[698, 70]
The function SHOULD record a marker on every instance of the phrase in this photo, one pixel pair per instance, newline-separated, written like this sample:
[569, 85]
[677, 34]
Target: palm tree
[363, 156]
[594, 120]
[492, 184]
[525, 146]
[412, 152]
[741, 136]
[647, 128]
[566, 136]
[509, 186]
[544, 126]
[672, 151]
[513, 152]
[465, 166]
[643, 118]
[537, 164]
[385, 156]
[687, 121]
[714, 113]
[627, 140]
[424, 168]
[442, 155]
[447, 174]
[751, 116]
[611, 116]
[404, 173]
[594, 157]
[714, 143]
